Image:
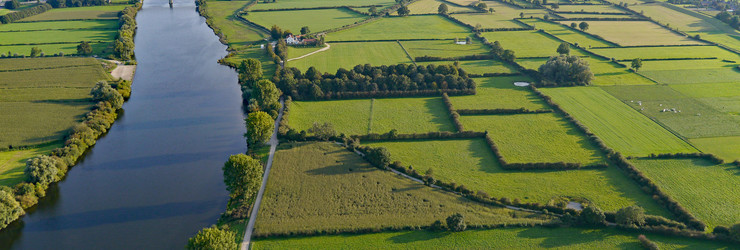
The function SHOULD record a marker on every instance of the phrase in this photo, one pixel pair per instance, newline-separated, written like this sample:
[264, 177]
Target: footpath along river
[155, 179]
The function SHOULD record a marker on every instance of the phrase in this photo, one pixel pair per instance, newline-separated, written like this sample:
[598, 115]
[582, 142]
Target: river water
[155, 179]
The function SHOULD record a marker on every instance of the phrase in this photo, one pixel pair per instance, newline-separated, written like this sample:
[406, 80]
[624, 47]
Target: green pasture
[296, 52]
[320, 20]
[444, 48]
[56, 36]
[499, 93]
[724, 147]
[78, 76]
[317, 3]
[93, 12]
[708, 191]
[431, 7]
[609, 73]
[348, 55]
[537, 44]
[238, 34]
[478, 66]
[470, 162]
[589, 8]
[696, 119]
[86, 24]
[619, 126]
[488, 20]
[723, 97]
[463, 2]
[575, 16]
[691, 71]
[348, 116]
[268, 66]
[410, 27]
[535, 138]
[631, 33]
[99, 49]
[44, 63]
[410, 115]
[506, 238]
[322, 186]
[12, 163]
[667, 53]
[567, 33]
[507, 12]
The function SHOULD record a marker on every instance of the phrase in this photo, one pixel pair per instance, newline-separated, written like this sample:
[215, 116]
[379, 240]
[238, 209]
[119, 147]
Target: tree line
[124, 44]
[17, 15]
[373, 81]
[75, 3]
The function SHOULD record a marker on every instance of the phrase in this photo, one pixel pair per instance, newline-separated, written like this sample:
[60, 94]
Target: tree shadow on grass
[435, 107]
[415, 236]
[552, 238]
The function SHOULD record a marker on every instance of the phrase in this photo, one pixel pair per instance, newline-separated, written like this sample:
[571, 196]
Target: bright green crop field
[410, 27]
[94, 12]
[317, 3]
[348, 116]
[499, 92]
[535, 138]
[630, 33]
[619, 126]
[322, 186]
[691, 71]
[321, 20]
[487, 20]
[667, 52]
[508, 238]
[478, 66]
[348, 55]
[724, 147]
[87, 24]
[706, 190]
[51, 49]
[567, 34]
[471, 163]
[444, 48]
[430, 7]
[410, 115]
[590, 8]
[537, 45]
[55, 36]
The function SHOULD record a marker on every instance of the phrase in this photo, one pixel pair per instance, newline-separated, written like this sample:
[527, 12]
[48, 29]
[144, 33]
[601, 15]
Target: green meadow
[444, 48]
[410, 115]
[499, 93]
[80, 13]
[477, 66]
[410, 27]
[317, 3]
[632, 33]
[567, 34]
[322, 19]
[13, 162]
[350, 117]
[238, 34]
[724, 147]
[348, 55]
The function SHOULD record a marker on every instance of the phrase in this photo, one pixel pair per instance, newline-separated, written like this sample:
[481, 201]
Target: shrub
[103, 92]
[456, 222]
[437, 226]
[565, 70]
[10, 209]
[592, 215]
[647, 243]
[212, 238]
[631, 216]
[734, 232]
[42, 170]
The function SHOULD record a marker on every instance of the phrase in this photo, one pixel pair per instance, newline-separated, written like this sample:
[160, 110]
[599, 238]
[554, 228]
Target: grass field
[268, 66]
[56, 36]
[321, 20]
[567, 34]
[94, 12]
[478, 66]
[318, 3]
[619, 126]
[589, 8]
[724, 147]
[348, 116]
[348, 55]
[535, 138]
[322, 186]
[573, 16]
[471, 163]
[410, 27]
[499, 92]
[537, 45]
[696, 119]
[430, 7]
[609, 73]
[41, 105]
[410, 115]
[509, 238]
[691, 71]
[638, 33]
[667, 52]
[487, 20]
[295, 52]
[706, 190]
[238, 34]
[13, 162]
[444, 48]
[87, 24]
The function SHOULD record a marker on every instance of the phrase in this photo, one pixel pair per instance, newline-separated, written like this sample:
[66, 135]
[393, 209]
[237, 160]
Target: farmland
[724, 147]
[443, 48]
[430, 7]
[639, 33]
[347, 55]
[621, 127]
[567, 34]
[323, 19]
[396, 28]
[538, 44]
[308, 177]
[477, 66]
[705, 189]
[316, 3]
[671, 52]
[471, 163]
[238, 34]
[488, 21]
[96, 12]
[13, 162]
[355, 116]
[502, 90]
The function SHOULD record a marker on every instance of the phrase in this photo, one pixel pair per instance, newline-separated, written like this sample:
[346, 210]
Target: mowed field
[567, 34]
[348, 55]
[535, 138]
[668, 52]
[488, 20]
[353, 117]
[508, 238]
[410, 27]
[444, 48]
[471, 162]
[94, 12]
[724, 147]
[322, 186]
[589, 8]
[499, 93]
[317, 3]
[619, 126]
[537, 45]
[431, 7]
[12, 163]
[322, 19]
[477, 66]
[632, 33]
[238, 34]
[42, 102]
[706, 190]
[691, 71]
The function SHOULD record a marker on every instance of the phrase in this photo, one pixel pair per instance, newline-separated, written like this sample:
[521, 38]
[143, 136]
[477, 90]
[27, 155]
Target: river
[155, 179]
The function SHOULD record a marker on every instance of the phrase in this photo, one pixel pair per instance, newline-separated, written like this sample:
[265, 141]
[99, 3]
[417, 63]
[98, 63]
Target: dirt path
[322, 49]
[125, 72]
[253, 216]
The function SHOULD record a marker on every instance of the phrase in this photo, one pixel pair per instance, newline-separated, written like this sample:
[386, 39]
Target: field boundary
[370, 120]
[407, 52]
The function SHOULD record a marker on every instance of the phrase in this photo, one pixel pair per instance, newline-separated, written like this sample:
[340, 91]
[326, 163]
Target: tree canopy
[84, 48]
[259, 127]
[102, 91]
[250, 71]
[442, 9]
[564, 48]
[456, 222]
[592, 215]
[403, 11]
[10, 209]
[636, 64]
[583, 26]
[242, 176]
[212, 238]
[564, 70]
[631, 216]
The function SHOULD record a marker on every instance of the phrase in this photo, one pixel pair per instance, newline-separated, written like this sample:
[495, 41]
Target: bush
[103, 92]
[42, 170]
[735, 232]
[647, 243]
[14, 16]
[212, 238]
[456, 223]
[565, 70]
[10, 209]
[631, 216]
[592, 215]
[12, 4]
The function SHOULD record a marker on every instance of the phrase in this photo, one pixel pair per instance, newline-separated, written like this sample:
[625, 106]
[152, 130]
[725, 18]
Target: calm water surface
[155, 179]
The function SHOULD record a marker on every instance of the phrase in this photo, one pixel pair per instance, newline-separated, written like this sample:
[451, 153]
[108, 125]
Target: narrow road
[253, 216]
[322, 49]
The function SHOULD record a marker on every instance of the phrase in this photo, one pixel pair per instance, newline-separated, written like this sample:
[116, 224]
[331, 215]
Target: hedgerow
[17, 15]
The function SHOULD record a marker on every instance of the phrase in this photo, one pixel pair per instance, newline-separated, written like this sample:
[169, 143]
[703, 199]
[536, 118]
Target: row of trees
[17, 15]
[732, 19]
[12, 4]
[124, 44]
[565, 70]
[75, 3]
[403, 78]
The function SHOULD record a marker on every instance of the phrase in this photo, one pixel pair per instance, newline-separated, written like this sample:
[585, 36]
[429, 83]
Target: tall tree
[10, 210]
[250, 71]
[305, 30]
[267, 95]
[564, 70]
[456, 222]
[242, 176]
[373, 10]
[574, 25]
[35, 51]
[12, 4]
[442, 9]
[259, 128]
[212, 238]
[564, 48]
[636, 64]
[508, 55]
[403, 11]
[631, 216]
[276, 33]
[583, 26]
[592, 215]
[84, 48]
